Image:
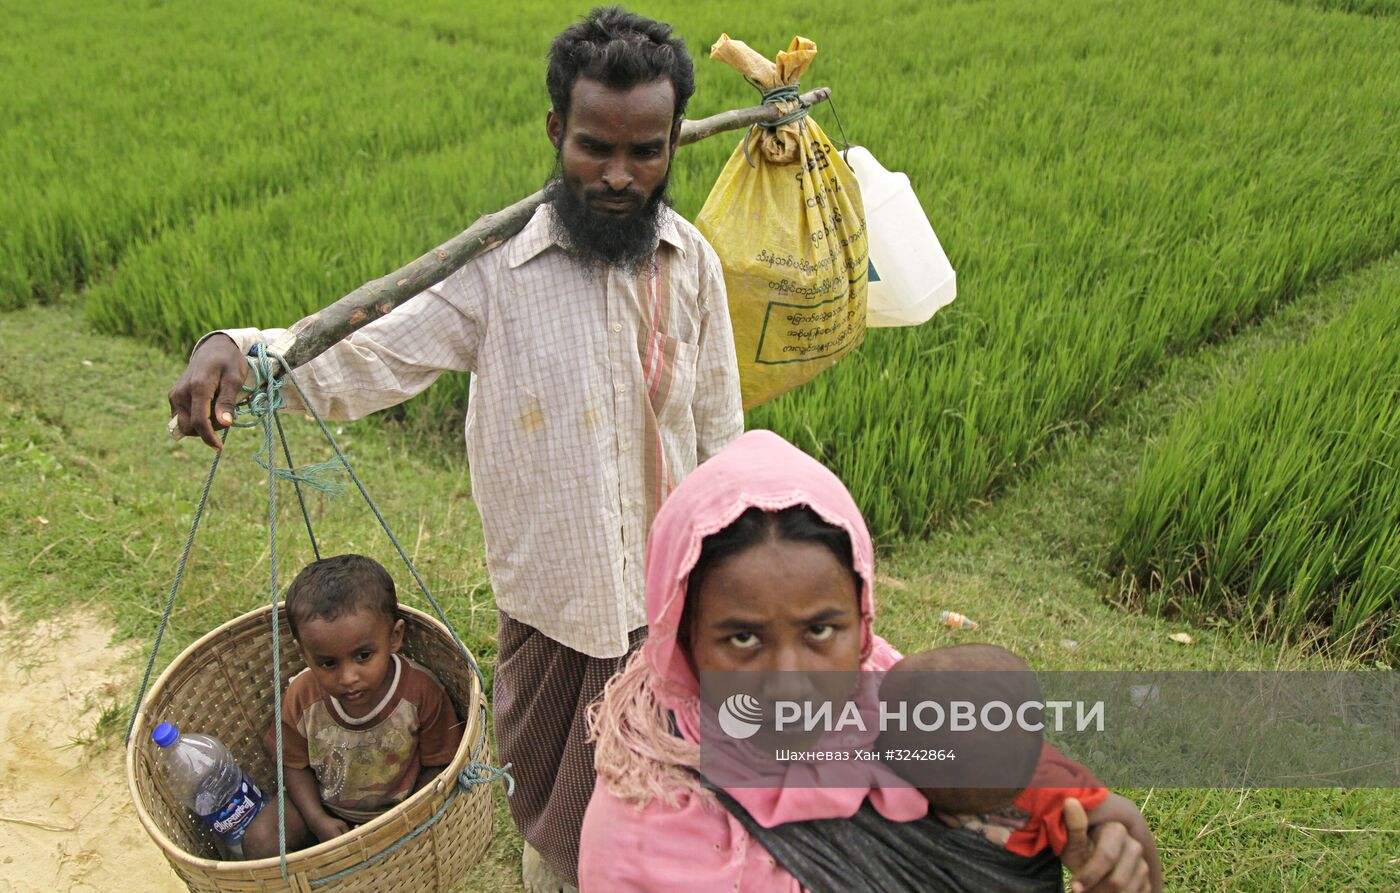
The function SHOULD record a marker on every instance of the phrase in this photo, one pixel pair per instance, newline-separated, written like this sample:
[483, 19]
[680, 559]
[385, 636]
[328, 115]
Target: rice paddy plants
[1116, 184]
[1359, 7]
[1119, 186]
[123, 121]
[1277, 502]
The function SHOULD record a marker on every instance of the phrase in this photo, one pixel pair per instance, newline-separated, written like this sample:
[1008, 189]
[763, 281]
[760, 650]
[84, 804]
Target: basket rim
[442, 786]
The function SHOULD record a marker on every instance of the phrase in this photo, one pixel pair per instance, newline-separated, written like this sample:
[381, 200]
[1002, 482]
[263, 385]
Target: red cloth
[1056, 778]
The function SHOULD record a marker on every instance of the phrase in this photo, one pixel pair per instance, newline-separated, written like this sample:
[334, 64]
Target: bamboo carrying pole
[316, 333]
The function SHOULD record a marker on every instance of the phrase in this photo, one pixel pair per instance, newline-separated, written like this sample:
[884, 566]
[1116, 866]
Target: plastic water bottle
[204, 776]
[954, 620]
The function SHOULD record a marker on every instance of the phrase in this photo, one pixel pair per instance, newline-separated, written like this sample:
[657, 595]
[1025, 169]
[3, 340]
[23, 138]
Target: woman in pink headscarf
[758, 562]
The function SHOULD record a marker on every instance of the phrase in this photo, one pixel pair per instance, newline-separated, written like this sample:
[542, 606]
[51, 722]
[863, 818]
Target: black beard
[596, 239]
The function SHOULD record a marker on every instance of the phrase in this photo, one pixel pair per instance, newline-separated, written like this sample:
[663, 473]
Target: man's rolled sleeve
[391, 359]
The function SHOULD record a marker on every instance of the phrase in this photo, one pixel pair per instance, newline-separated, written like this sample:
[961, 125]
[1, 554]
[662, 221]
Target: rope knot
[265, 394]
[784, 93]
[484, 773]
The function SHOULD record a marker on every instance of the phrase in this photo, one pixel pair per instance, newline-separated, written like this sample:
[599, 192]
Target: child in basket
[1015, 789]
[363, 727]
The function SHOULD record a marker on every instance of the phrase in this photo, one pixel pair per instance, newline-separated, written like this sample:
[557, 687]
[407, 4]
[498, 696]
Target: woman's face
[777, 606]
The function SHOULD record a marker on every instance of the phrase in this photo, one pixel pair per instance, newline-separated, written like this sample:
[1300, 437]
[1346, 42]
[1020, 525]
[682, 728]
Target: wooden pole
[317, 332]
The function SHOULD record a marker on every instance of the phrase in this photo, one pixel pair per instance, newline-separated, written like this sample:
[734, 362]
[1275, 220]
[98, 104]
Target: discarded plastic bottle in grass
[954, 620]
[204, 776]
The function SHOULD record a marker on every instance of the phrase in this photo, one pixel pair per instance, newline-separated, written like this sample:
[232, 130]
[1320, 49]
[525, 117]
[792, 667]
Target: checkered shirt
[592, 395]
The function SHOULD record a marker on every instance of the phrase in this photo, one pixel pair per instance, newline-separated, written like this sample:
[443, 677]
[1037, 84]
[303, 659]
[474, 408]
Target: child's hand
[327, 827]
[1112, 861]
[1078, 847]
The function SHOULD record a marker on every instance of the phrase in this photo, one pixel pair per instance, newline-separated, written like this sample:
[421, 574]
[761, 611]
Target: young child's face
[350, 656]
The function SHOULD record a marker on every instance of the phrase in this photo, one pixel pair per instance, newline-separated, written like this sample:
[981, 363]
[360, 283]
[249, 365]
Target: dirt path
[66, 819]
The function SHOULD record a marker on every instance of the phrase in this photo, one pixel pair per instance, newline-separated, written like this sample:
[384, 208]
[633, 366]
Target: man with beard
[603, 372]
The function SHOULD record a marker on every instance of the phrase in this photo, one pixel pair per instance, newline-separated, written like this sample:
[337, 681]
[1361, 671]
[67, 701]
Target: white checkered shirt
[591, 397]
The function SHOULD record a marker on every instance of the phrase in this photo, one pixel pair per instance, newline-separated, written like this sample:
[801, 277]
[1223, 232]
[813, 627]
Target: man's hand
[203, 398]
[1106, 860]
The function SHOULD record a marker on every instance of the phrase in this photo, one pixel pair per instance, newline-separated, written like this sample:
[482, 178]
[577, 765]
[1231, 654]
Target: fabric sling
[868, 852]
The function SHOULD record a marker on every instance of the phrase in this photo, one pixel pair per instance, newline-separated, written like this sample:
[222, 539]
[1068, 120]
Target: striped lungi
[540, 695]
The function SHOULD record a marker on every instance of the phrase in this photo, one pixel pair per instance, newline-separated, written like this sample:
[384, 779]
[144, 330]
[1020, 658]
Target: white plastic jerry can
[910, 277]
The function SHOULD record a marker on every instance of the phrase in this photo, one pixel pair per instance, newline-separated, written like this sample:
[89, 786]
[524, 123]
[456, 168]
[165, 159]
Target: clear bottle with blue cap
[203, 775]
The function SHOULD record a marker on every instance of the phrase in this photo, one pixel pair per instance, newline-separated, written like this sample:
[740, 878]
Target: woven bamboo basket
[222, 686]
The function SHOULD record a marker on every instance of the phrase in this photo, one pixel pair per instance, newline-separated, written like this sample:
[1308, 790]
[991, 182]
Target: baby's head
[978, 674]
[345, 617]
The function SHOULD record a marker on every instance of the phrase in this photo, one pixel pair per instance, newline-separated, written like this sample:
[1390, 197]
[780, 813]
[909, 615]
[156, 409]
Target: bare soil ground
[66, 818]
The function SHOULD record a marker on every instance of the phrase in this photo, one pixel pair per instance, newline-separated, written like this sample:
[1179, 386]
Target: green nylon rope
[789, 93]
[785, 93]
[175, 586]
[265, 415]
[266, 400]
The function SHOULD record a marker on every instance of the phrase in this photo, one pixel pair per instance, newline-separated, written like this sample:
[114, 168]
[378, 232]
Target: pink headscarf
[641, 763]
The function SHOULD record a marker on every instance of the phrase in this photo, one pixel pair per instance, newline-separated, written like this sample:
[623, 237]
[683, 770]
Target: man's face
[614, 157]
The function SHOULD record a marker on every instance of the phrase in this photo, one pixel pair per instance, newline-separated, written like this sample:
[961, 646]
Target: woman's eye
[744, 640]
[821, 632]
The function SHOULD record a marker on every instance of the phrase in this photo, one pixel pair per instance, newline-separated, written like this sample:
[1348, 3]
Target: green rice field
[1165, 399]
[1116, 183]
[1276, 504]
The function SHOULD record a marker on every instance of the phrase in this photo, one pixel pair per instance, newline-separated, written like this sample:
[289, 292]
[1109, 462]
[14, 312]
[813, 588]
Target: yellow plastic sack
[786, 219]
